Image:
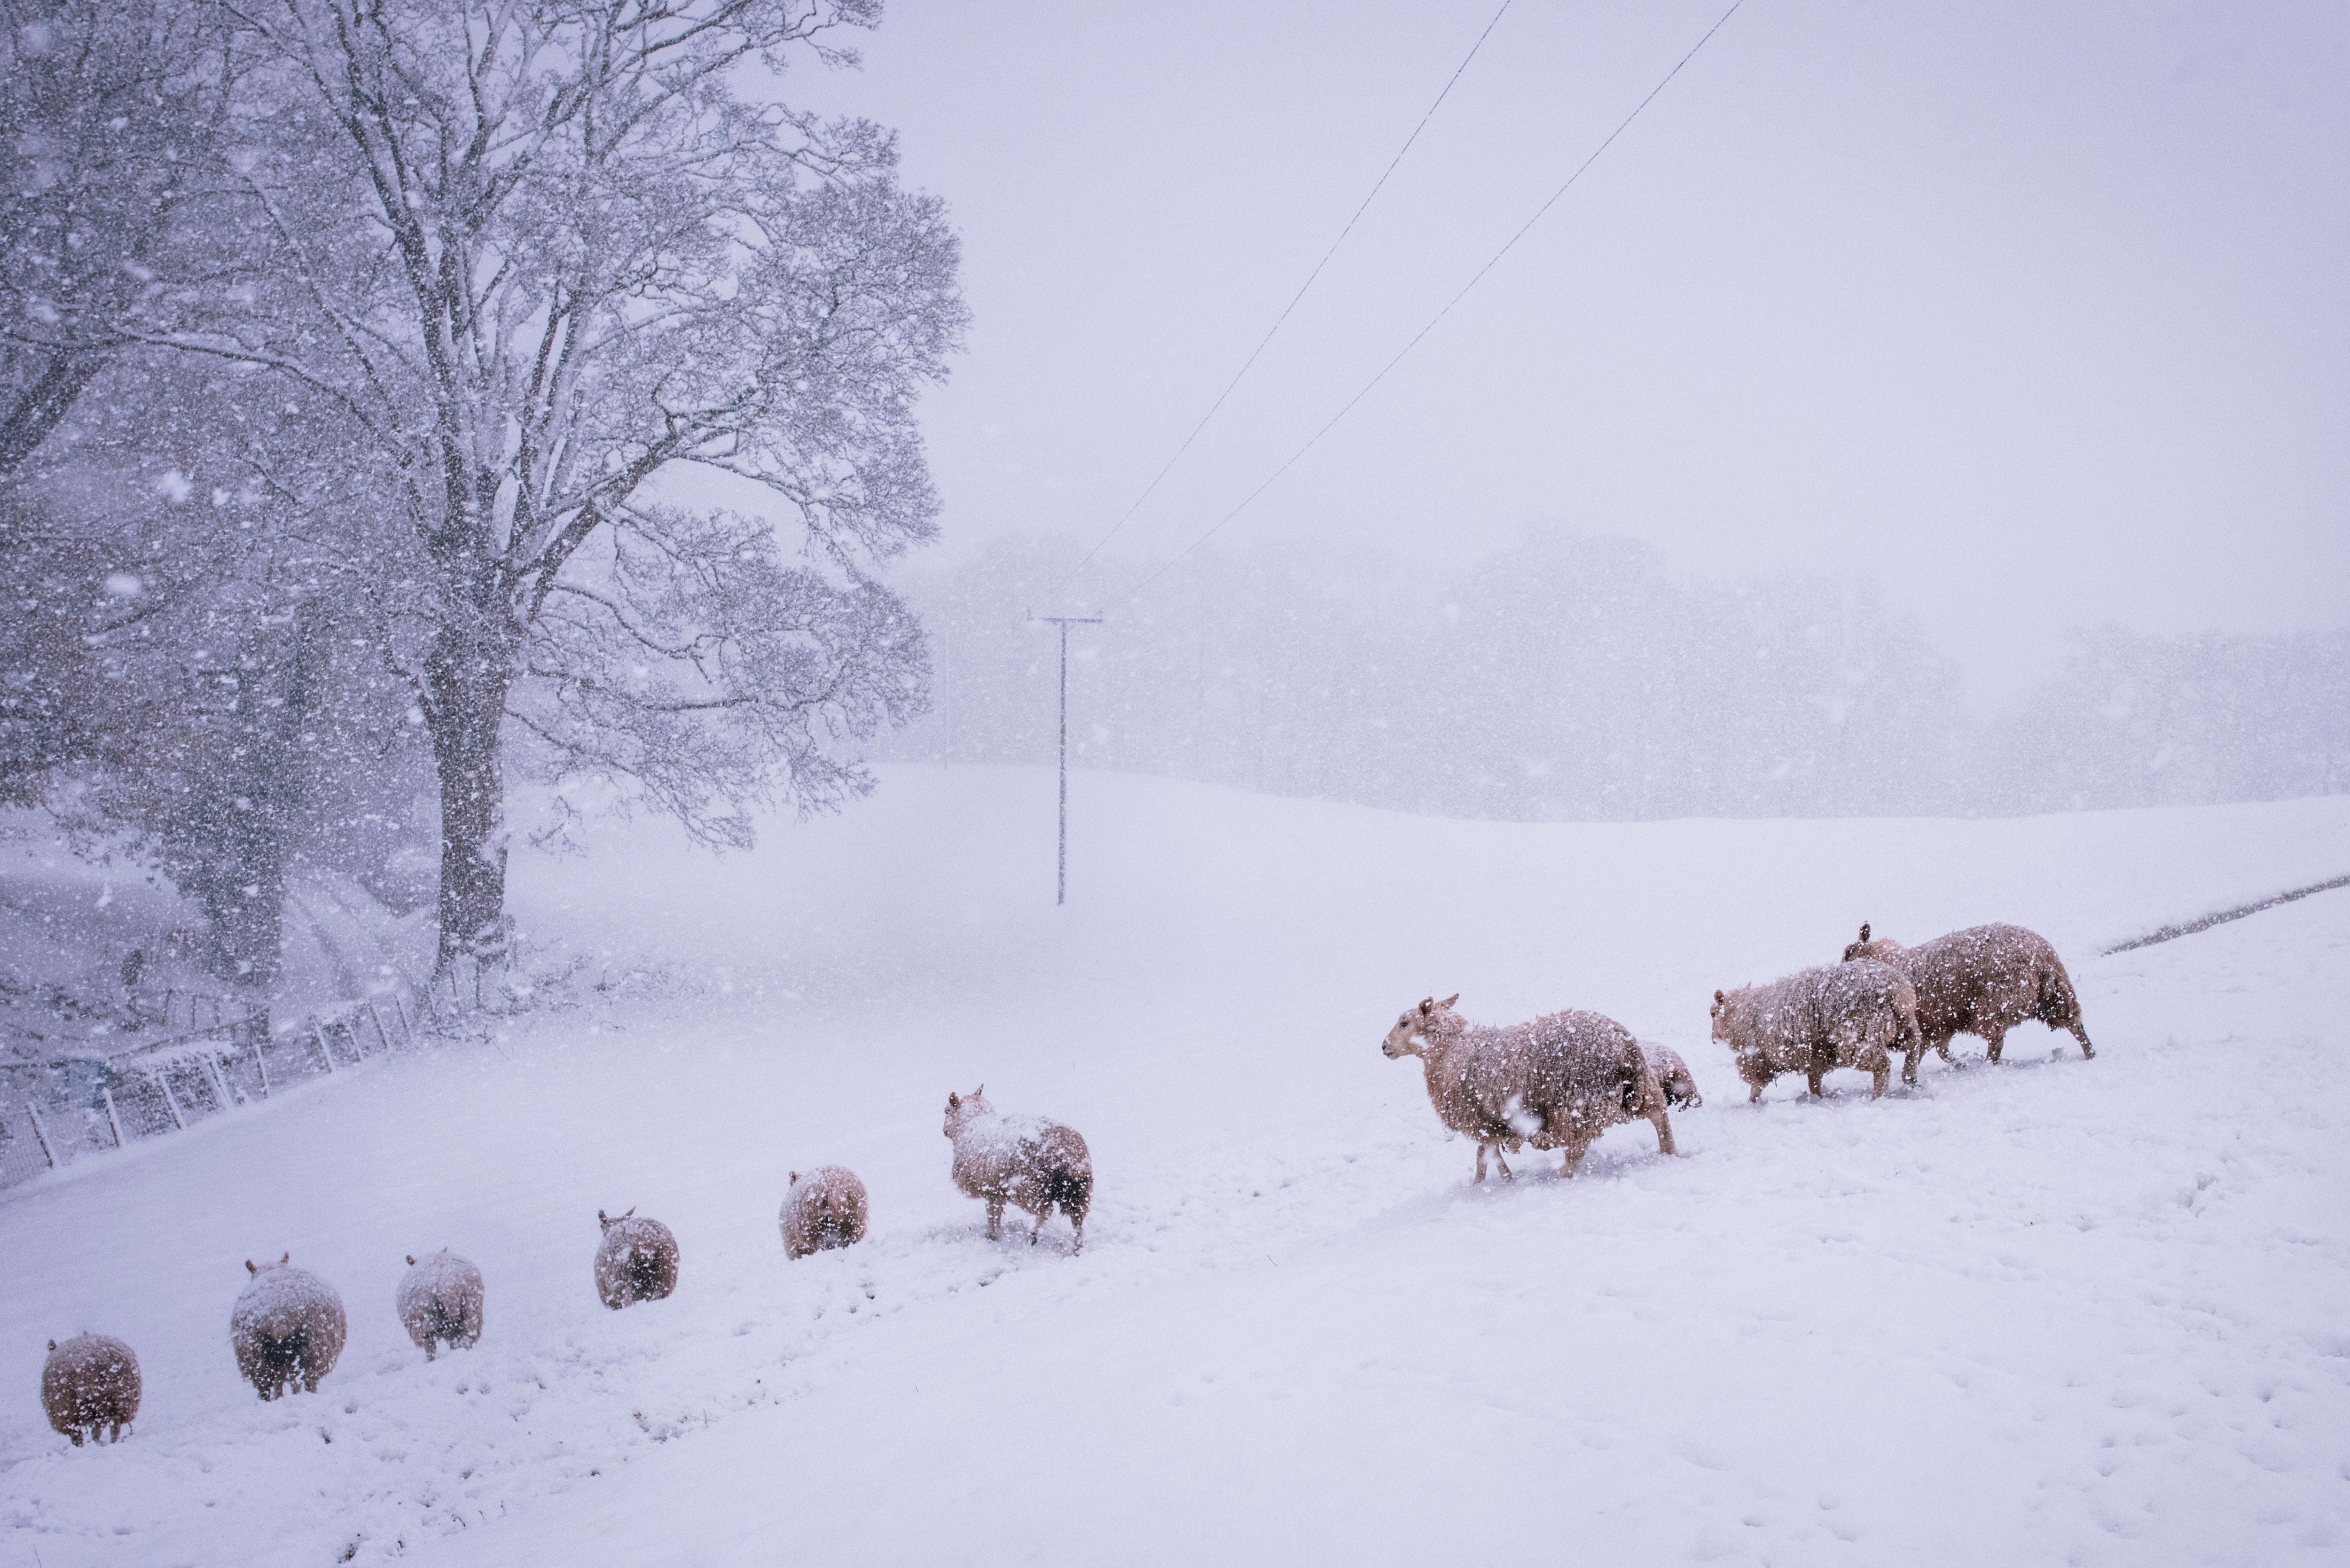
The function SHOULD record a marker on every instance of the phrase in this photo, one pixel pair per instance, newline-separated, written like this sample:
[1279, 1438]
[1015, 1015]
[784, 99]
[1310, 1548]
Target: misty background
[1913, 411]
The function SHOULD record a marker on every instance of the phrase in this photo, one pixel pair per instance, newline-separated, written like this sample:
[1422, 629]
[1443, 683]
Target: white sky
[2035, 311]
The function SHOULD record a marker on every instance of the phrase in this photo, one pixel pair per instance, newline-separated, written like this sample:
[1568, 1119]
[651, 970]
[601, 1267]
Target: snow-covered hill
[2054, 1311]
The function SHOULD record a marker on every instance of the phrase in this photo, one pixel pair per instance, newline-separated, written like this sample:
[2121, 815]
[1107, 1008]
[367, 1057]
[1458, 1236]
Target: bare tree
[110, 114]
[551, 261]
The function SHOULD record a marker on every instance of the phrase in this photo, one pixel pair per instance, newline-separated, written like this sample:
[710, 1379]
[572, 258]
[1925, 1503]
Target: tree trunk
[465, 681]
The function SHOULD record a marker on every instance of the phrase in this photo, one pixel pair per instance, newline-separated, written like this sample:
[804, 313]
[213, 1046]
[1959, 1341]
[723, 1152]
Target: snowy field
[2048, 1312]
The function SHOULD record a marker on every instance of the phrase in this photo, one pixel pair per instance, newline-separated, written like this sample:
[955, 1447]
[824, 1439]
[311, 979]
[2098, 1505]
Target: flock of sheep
[1555, 1083]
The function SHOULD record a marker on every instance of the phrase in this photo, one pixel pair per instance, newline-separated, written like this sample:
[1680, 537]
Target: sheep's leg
[1993, 1038]
[1077, 1222]
[994, 1218]
[1042, 1215]
[1572, 1157]
[2088, 1052]
[1814, 1073]
[1664, 1129]
[1507, 1174]
[1880, 1076]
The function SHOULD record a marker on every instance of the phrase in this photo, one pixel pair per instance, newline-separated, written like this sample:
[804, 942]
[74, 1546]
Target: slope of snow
[2055, 1310]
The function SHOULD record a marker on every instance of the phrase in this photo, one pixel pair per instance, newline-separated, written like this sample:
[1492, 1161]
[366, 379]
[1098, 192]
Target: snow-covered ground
[2054, 1311]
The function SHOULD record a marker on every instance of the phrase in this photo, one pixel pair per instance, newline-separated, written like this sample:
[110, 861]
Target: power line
[1246, 364]
[1523, 228]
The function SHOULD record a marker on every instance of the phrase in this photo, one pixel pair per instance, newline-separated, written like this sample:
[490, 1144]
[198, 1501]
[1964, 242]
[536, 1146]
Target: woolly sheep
[1837, 1015]
[441, 1299]
[287, 1328]
[1673, 1076]
[824, 1209]
[1028, 1161]
[1982, 981]
[90, 1385]
[1558, 1082]
[636, 1261]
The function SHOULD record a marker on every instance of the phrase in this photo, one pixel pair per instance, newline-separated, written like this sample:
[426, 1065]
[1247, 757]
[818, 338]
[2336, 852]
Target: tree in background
[542, 261]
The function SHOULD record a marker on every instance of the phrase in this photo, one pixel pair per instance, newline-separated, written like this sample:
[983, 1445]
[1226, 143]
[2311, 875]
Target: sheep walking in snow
[1555, 1083]
[287, 1328]
[636, 1261]
[824, 1209]
[1983, 981]
[1030, 1162]
[90, 1385]
[1673, 1076]
[1817, 1020]
[438, 1300]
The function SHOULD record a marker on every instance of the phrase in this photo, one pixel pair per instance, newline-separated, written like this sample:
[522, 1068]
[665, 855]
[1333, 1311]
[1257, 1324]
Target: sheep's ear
[1426, 1005]
[632, 1213]
[1864, 930]
[53, 1344]
[411, 1260]
[1717, 999]
[793, 1180]
[980, 1093]
[286, 1257]
[249, 1268]
[1450, 999]
[953, 1099]
[603, 1219]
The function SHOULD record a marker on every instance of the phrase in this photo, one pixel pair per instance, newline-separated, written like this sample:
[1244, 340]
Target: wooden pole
[220, 1083]
[1061, 883]
[41, 1136]
[163, 1077]
[113, 1122]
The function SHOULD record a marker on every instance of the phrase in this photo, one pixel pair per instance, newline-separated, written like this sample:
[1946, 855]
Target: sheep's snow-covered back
[280, 1298]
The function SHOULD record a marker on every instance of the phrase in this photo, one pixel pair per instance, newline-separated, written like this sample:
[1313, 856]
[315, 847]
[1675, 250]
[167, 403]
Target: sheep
[1028, 1161]
[1673, 1076]
[1555, 1083]
[824, 1209]
[90, 1385]
[636, 1261]
[287, 1328]
[441, 1298]
[1983, 981]
[1838, 1015]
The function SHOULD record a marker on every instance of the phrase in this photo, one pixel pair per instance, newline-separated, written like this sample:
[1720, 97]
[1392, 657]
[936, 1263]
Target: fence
[53, 1113]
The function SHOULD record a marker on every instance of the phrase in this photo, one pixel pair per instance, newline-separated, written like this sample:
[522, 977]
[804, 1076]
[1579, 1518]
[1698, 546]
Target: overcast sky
[2035, 310]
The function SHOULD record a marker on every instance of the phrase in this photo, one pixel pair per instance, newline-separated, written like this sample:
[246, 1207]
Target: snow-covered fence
[57, 1111]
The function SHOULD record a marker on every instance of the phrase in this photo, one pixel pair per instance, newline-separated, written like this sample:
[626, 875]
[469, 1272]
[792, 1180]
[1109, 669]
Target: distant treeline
[1574, 678]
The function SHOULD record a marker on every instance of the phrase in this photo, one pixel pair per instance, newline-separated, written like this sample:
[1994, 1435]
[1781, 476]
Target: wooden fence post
[220, 1083]
[41, 1136]
[376, 1018]
[163, 1076]
[113, 1122]
[319, 1036]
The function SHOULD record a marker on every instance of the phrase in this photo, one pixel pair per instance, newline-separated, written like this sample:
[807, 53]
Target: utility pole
[1061, 893]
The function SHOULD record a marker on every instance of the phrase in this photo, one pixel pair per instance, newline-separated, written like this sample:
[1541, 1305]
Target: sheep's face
[961, 1108]
[1417, 1025]
[1722, 1010]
